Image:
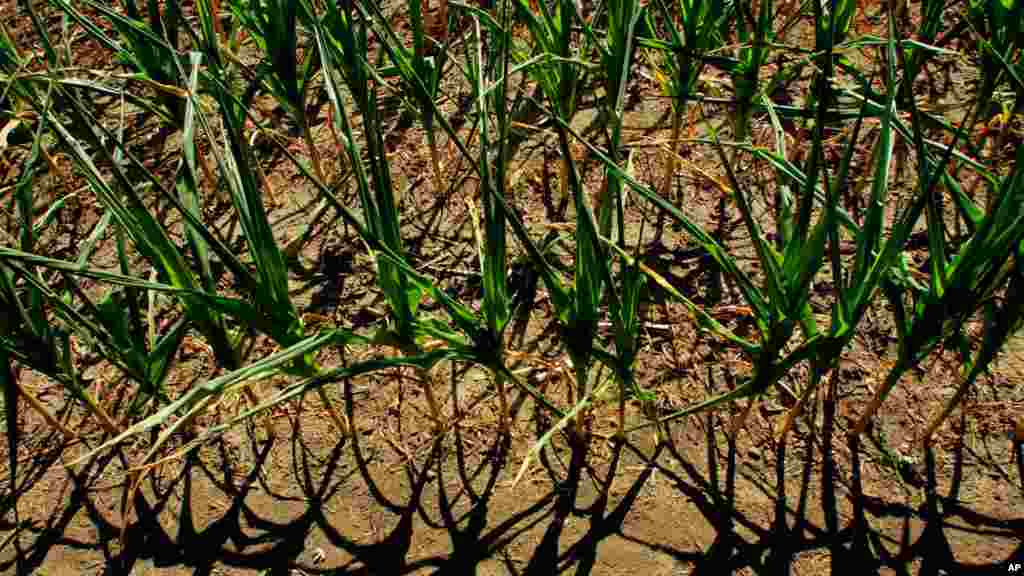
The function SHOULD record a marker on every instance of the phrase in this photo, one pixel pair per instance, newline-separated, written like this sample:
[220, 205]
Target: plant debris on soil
[718, 492]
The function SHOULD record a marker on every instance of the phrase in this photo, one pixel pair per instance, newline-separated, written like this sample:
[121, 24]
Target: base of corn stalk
[504, 420]
[106, 422]
[38, 407]
[435, 161]
[92, 403]
[339, 419]
[423, 378]
[650, 410]
[926, 439]
[435, 410]
[794, 413]
[876, 402]
[670, 158]
[314, 154]
[740, 420]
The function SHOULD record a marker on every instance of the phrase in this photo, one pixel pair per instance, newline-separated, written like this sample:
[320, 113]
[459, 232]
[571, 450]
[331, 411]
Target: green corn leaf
[263, 248]
[45, 356]
[558, 293]
[870, 236]
[188, 176]
[790, 171]
[299, 389]
[94, 31]
[246, 313]
[704, 320]
[114, 316]
[493, 254]
[198, 397]
[569, 417]
[207, 32]
[145, 232]
[714, 249]
[24, 192]
[771, 261]
[158, 363]
[742, 391]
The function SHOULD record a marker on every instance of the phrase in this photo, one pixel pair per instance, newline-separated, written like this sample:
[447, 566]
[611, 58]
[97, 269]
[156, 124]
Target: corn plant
[693, 31]
[150, 49]
[781, 306]
[288, 71]
[961, 284]
[551, 29]
[349, 48]
[754, 32]
[355, 48]
[267, 308]
[490, 74]
[961, 281]
[30, 335]
[998, 29]
[476, 339]
[617, 56]
[274, 27]
[577, 305]
[428, 56]
[26, 333]
[928, 33]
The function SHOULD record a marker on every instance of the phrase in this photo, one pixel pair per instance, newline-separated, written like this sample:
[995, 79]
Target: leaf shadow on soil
[857, 547]
[244, 537]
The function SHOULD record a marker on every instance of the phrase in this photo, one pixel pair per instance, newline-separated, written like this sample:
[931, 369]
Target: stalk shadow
[855, 545]
[466, 479]
[583, 552]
